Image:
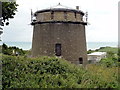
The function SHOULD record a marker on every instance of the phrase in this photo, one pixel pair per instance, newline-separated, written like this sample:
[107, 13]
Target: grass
[114, 50]
[109, 49]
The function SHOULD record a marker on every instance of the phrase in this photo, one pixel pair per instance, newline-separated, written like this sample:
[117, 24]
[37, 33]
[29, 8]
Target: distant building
[96, 56]
[60, 31]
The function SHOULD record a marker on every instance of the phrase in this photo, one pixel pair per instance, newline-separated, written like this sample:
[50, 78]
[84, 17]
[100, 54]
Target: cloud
[102, 15]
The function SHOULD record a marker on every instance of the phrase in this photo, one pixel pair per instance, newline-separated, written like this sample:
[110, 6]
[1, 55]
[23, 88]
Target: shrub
[9, 50]
[52, 72]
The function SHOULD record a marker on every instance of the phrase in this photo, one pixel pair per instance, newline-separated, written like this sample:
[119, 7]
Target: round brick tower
[60, 32]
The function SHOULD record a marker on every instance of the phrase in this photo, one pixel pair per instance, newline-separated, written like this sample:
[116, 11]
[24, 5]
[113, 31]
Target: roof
[60, 7]
[97, 53]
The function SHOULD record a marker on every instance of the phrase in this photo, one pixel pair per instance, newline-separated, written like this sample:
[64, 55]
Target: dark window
[58, 49]
[52, 15]
[80, 60]
[65, 15]
[75, 15]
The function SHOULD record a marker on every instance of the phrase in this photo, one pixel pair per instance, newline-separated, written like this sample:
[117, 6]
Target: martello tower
[60, 31]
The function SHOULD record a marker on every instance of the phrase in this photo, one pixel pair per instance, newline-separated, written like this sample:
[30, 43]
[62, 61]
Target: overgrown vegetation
[111, 58]
[108, 49]
[110, 62]
[104, 49]
[12, 50]
[51, 72]
[119, 54]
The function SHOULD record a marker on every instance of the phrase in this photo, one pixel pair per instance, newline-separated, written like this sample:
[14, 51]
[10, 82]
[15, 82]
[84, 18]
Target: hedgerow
[52, 72]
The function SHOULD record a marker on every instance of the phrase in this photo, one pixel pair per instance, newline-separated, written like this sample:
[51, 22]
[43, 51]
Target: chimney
[77, 7]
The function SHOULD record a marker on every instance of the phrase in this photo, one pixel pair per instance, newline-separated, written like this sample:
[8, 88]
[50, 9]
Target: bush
[42, 72]
[101, 77]
[52, 72]
[110, 62]
[9, 50]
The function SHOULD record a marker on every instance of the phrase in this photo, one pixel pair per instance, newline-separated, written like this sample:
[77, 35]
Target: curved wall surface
[63, 38]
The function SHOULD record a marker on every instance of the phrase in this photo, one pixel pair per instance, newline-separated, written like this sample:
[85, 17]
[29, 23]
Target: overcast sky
[102, 16]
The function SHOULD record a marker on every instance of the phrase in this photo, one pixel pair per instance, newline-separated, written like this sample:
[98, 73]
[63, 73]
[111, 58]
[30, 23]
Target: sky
[102, 18]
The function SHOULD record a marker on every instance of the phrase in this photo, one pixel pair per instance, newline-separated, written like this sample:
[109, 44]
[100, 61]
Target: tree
[9, 50]
[8, 11]
[119, 54]
[110, 54]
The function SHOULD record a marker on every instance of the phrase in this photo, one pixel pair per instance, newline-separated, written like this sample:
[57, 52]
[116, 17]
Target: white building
[96, 56]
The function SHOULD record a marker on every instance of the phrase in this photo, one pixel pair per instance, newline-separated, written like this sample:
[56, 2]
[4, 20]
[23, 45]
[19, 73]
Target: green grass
[52, 72]
[104, 49]
[109, 49]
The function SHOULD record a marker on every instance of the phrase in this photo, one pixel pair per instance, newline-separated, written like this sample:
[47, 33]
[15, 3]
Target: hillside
[51, 72]
[108, 49]
[114, 50]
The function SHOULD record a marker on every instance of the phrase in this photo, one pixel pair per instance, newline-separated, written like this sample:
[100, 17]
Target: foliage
[52, 72]
[90, 51]
[9, 50]
[27, 53]
[101, 77]
[8, 11]
[112, 56]
[110, 62]
[105, 49]
[109, 49]
[119, 54]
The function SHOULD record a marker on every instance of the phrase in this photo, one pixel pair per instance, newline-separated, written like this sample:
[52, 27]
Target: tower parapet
[59, 14]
